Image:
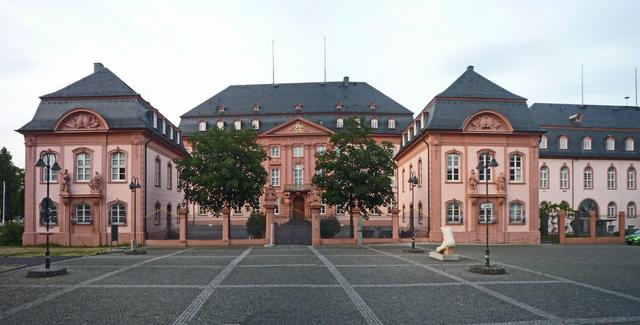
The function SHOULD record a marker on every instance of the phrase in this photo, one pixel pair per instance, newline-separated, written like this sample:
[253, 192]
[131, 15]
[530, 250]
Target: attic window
[391, 124]
[338, 105]
[155, 121]
[298, 106]
[202, 126]
[220, 125]
[372, 105]
[255, 124]
[220, 107]
[256, 107]
[171, 132]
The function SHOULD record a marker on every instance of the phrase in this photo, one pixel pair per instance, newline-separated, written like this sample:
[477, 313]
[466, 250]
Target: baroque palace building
[102, 133]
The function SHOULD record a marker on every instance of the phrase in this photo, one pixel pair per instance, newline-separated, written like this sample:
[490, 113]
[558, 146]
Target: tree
[14, 179]
[355, 169]
[550, 210]
[223, 170]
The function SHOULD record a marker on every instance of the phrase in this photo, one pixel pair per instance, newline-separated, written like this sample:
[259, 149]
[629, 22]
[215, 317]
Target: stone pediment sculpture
[487, 121]
[473, 181]
[65, 180]
[95, 183]
[501, 183]
[299, 126]
[445, 252]
[82, 121]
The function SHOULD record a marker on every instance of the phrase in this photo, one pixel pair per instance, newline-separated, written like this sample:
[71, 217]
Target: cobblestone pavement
[544, 284]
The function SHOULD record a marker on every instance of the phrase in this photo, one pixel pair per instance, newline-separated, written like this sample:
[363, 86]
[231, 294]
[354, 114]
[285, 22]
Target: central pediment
[297, 127]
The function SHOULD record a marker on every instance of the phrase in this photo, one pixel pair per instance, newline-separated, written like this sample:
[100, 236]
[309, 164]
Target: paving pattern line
[59, 293]
[302, 285]
[520, 282]
[374, 265]
[278, 255]
[280, 265]
[360, 304]
[565, 280]
[199, 301]
[597, 320]
[145, 286]
[488, 291]
[406, 285]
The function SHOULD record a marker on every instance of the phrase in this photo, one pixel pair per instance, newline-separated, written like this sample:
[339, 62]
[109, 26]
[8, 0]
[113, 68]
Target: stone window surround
[565, 167]
[51, 224]
[632, 171]
[126, 213]
[76, 152]
[42, 169]
[492, 170]
[584, 172]
[524, 213]
[544, 166]
[446, 212]
[126, 163]
[615, 178]
[157, 171]
[523, 169]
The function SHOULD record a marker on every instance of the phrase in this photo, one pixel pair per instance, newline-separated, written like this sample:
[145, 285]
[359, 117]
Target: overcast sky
[179, 53]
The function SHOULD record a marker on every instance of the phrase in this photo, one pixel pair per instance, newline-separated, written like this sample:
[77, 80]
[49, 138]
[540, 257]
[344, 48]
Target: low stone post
[226, 218]
[183, 213]
[561, 225]
[315, 223]
[395, 224]
[592, 226]
[269, 208]
[357, 230]
[621, 225]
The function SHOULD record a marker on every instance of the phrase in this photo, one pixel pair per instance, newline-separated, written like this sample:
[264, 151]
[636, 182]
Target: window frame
[564, 178]
[275, 151]
[544, 142]
[482, 214]
[374, 123]
[300, 149]
[298, 174]
[53, 175]
[202, 126]
[486, 174]
[237, 125]
[632, 179]
[220, 125]
[633, 206]
[612, 178]
[339, 123]
[563, 142]
[629, 144]
[545, 179]
[516, 173]
[122, 169]
[86, 214]
[612, 209]
[87, 165]
[157, 172]
[391, 124]
[275, 177]
[169, 175]
[610, 144]
[587, 144]
[587, 182]
[517, 219]
[450, 217]
[453, 167]
[121, 219]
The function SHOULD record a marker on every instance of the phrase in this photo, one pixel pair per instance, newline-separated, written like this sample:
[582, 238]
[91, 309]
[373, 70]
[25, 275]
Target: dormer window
[339, 123]
[391, 124]
[256, 107]
[298, 106]
[374, 123]
[171, 132]
[220, 125]
[155, 121]
[164, 127]
[237, 125]
[629, 144]
[220, 107]
[255, 124]
[202, 126]
[338, 105]
[543, 142]
[372, 105]
[611, 144]
[563, 143]
[586, 143]
[178, 136]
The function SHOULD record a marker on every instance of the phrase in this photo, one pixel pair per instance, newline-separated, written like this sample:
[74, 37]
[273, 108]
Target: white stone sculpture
[445, 252]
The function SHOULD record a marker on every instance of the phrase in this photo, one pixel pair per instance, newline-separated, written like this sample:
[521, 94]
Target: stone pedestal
[268, 234]
[395, 225]
[183, 213]
[226, 220]
[447, 255]
[315, 223]
[356, 214]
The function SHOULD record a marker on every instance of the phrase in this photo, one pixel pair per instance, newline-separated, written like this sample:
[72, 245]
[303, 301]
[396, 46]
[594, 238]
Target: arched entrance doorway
[298, 208]
[296, 231]
[580, 223]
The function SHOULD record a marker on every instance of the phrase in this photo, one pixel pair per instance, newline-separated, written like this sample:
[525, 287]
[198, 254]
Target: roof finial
[470, 68]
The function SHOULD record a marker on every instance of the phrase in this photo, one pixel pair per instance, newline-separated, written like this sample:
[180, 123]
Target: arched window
[588, 178]
[169, 176]
[237, 125]
[610, 144]
[453, 167]
[419, 212]
[402, 180]
[169, 215]
[516, 213]
[631, 210]
[543, 142]
[563, 142]
[202, 211]
[544, 177]
[83, 167]
[420, 172]
[118, 166]
[255, 124]
[515, 168]
[83, 214]
[611, 178]
[454, 212]
[118, 213]
[298, 178]
[612, 210]
[277, 208]
[391, 124]
[158, 210]
[629, 144]
[339, 123]
[485, 173]
[564, 177]
[157, 171]
[374, 123]
[485, 213]
[202, 126]
[586, 143]
[53, 213]
[220, 125]
[631, 178]
[49, 158]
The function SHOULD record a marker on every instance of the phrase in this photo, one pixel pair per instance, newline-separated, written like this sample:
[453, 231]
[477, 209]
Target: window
[323, 207]
[202, 126]
[83, 167]
[118, 167]
[53, 213]
[543, 142]
[564, 177]
[420, 172]
[485, 214]
[391, 124]
[374, 123]
[390, 206]
[403, 218]
[402, 180]
[611, 178]
[297, 175]
[220, 125]
[118, 213]
[631, 178]
[320, 148]
[298, 152]
[275, 152]
[544, 177]
[164, 127]
[237, 125]
[588, 178]
[516, 213]
[276, 210]
[275, 177]
[171, 132]
[83, 214]
[158, 209]
[563, 143]
[339, 123]
[169, 176]
[255, 124]
[631, 210]
[453, 167]
[485, 173]
[49, 159]
[169, 215]
[515, 168]
[586, 143]
[155, 121]
[420, 213]
[612, 210]
[454, 213]
[156, 172]
[629, 145]
[202, 211]
[610, 144]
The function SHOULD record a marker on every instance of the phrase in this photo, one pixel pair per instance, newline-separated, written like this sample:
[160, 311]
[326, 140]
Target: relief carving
[82, 121]
[486, 122]
[95, 183]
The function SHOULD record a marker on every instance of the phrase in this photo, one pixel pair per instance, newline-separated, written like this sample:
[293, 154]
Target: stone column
[183, 213]
[592, 225]
[269, 207]
[357, 231]
[395, 226]
[621, 225]
[315, 223]
[561, 221]
[226, 218]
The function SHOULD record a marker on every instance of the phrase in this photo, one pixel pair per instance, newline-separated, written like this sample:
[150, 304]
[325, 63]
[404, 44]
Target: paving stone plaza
[544, 284]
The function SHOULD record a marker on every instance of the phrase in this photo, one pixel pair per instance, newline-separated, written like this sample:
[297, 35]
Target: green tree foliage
[550, 210]
[257, 224]
[224, 169]
[14, 179]
[355, 169]
[329, 227]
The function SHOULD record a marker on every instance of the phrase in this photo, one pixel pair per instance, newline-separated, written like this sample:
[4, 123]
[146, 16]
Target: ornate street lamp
[133, 186]
[413, 182]
[487, 268]
[45, 162]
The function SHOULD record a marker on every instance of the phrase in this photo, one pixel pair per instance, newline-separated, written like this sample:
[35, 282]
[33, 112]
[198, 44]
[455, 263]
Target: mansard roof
[321, 103]
[473, 85]
[102, 82]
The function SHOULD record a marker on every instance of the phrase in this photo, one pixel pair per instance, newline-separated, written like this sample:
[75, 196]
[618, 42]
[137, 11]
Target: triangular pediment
[296, 127]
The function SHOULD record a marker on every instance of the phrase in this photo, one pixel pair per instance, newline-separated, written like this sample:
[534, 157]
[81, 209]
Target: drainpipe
[144, 220]
[573, 185]
[428, 187]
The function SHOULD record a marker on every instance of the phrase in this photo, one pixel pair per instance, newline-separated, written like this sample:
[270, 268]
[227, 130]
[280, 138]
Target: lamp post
[133, 186]
[413, 181]
[45, 162]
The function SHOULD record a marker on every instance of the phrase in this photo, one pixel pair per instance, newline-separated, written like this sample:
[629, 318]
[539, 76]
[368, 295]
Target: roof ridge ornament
[372, 105]
[298, 106]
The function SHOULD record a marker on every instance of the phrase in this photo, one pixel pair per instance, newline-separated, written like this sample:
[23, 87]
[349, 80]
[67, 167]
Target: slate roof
[318, 100]
[102, 82]
[597, 122]
[473, 85]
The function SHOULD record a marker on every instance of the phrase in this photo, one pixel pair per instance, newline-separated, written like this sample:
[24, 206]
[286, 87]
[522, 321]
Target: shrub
[329, 227]
[11, 233]
[256, 224]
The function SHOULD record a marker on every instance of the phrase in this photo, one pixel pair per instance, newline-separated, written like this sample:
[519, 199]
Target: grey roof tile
[100, 83]
[473, 85]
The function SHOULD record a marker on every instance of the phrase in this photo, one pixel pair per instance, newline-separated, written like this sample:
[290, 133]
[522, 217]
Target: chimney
[470, 68]
[97, 67]
[345, 81]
